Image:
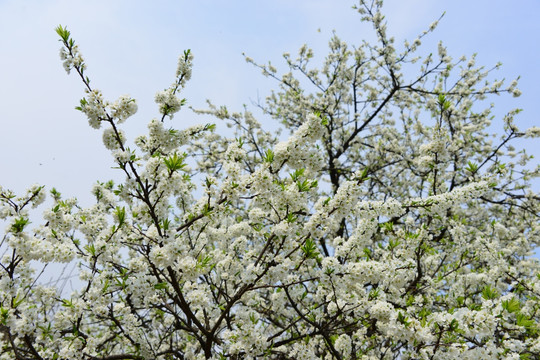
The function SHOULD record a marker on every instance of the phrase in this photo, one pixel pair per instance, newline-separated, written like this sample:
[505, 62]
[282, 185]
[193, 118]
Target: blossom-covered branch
[388, 225]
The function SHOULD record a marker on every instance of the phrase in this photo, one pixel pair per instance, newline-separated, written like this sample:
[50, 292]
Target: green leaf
[324, 121]
[240, 141]
[281, 184]
[165, 223]
[454, 325]
[91, 249]
[373, 294]
[524, 320]
[17, 301]
[106, 286]
[207, 210]
[268, 156]
[472, 167]
[160, 286]
[67, 303]
[19, 225]
[410, 300]
[120, 213]
[63, 33]
[511, 305]
[403, 319]
[441, 99]
[489, 293]
[297, 174]
[291, 218]
[364, 176]
[392, 244]
[175, 162]
[257, 226]
[208, 182]
[310, 249]
[303, 185]
[3, 315]
[446, 105]
[367, 253]
[387, 226]
[203, 261]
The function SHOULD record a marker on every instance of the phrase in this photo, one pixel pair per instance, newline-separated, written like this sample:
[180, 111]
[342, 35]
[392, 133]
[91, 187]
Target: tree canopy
[390, 224]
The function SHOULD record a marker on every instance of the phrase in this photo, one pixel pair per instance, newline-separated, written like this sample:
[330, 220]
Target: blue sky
[132, 47]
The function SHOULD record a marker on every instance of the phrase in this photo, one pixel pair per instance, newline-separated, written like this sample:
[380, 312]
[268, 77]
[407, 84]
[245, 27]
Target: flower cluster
[168, 102]
[72, 59]
[123, 108]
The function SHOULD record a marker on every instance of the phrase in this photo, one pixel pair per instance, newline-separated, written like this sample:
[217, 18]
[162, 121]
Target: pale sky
[131, 47]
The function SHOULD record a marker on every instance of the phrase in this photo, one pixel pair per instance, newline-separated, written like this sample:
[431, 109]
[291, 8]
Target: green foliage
[175, 162]
[513, 305]
[19, 225]
[489, 293]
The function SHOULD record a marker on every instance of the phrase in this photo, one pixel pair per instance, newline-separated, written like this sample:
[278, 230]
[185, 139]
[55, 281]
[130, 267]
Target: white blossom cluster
[168, 102]
[389, 225]
[72, 59]
[98, 110]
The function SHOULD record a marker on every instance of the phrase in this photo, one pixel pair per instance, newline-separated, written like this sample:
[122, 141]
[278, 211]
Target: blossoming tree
[388, 226]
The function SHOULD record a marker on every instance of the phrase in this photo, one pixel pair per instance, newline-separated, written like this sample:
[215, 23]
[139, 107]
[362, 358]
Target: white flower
[168, 102]
[113, 139]
[123, 108]
[532, 132]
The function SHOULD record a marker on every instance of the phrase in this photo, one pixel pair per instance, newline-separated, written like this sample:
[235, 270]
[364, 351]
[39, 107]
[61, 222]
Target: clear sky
[132, 47]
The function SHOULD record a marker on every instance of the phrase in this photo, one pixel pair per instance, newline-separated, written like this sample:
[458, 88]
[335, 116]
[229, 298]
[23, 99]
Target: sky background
[131, 47]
